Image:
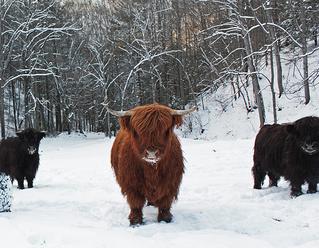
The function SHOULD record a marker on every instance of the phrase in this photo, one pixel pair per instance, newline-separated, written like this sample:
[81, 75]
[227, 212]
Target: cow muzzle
[309, 149]
[32, 150]
[151, 156]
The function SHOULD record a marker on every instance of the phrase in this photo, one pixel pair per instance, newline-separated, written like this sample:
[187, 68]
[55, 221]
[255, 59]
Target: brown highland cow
[288, 150]
[147, 158]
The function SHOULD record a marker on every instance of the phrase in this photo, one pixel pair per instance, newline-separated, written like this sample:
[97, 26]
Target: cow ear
[125, 122]
[20, 134]
[291, 129]
[42, 135]
[177, 120]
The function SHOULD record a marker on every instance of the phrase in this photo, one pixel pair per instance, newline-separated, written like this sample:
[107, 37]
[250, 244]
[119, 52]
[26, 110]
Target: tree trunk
[234, 89]
[108, 125]
[251, 62]
[303, 34]
[256, 88]
[179, 81]
[272, 86]
[246, 102]
[27, 117]
[14, 103]
[37, 109]
[2, 118]
[58, 114]
[273, 39]
[315, 37]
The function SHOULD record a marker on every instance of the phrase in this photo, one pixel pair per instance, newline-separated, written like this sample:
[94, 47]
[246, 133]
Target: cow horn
[183, 112]
[119, 113]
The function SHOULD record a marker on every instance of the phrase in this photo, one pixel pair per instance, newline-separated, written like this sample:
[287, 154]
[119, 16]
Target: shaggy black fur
[289, 150]
[19, 156]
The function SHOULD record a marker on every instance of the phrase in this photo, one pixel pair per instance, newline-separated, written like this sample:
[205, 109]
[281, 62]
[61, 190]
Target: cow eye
[167, 132]
[135, 134]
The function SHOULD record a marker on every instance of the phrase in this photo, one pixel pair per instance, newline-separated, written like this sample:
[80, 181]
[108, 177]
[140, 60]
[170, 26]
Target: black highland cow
[289, 150]
[19, 156]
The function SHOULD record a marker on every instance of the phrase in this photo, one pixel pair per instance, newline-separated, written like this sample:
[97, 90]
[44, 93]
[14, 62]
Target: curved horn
[183, 112]
[119, 113]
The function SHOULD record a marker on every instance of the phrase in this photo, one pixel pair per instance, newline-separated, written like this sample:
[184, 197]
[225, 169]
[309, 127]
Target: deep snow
[76, 202]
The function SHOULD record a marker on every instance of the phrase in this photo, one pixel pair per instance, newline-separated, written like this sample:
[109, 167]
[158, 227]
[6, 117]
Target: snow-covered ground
[76, 202]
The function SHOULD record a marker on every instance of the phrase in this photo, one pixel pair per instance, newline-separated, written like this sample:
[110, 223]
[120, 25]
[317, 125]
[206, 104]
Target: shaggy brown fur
[289, 150]
[150, 127]
[19, 156]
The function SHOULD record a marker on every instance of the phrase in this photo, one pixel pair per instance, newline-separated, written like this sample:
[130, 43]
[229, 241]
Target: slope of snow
[222, 117]
[76, 202]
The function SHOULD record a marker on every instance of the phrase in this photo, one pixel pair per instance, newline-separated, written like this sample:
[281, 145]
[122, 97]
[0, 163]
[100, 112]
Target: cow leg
[20, 180]
[259, 175]
[312, 187]
[296, 179]
[30, 181]
[295, 189]
[136, 202]
[164, 213]
[273, 179]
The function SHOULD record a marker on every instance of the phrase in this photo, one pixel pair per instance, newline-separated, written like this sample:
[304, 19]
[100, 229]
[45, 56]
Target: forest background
[61, 62]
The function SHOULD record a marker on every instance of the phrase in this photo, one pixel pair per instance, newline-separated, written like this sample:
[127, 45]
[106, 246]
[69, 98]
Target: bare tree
[269, 8]
[8, 36]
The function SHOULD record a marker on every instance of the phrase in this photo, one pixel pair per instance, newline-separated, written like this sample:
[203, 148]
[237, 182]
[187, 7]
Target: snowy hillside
[223, 118]
[76, 202]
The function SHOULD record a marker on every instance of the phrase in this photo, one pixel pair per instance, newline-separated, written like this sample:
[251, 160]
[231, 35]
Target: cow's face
[306, 133]
[151, 129]
[31, 140]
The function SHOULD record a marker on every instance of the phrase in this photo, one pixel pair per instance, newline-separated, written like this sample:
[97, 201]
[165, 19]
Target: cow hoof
[165, 215]
[311, 191]
[295, 194]
[167, 219]
[136, 222]
[272, 184]
[136, 217]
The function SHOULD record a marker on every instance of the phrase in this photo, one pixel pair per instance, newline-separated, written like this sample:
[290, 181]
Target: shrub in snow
[5, 193]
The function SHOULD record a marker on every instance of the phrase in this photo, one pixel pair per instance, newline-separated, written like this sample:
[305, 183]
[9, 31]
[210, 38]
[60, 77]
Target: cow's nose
[32, 149]
[309, 146]
[151, 153]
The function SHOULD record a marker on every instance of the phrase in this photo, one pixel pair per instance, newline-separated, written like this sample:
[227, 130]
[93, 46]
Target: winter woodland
[243, 63]
[61, 62]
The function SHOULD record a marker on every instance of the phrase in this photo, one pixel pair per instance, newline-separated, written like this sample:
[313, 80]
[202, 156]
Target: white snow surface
[76, 202]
